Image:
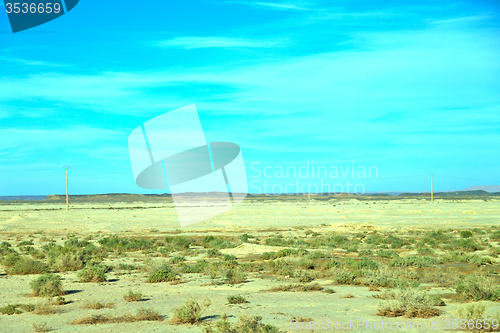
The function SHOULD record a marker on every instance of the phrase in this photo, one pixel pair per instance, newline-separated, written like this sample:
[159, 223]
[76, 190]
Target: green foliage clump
[199, 267]
[12, 309]
[464, 244]
[93, 272]
[465, 234]
[414, 261]
[24, 266]
[214, 253]
[345, 277]
[133, 296]
[47, 285]
[410, 303]
[217, 243]
[387, 254]
[235, 276]
[244, 325]
[236, 299]
[478, 288]
[283, 253]
[190, 312]
[163, 273]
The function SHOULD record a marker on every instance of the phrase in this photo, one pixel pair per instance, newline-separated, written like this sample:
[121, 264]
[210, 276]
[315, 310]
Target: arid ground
[338, 258]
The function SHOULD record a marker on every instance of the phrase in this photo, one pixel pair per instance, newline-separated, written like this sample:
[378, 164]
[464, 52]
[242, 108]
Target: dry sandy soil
[41, 221]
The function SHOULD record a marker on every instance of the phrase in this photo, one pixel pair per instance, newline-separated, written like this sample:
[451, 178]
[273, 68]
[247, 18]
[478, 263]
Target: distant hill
[24, 197]
[487, 188]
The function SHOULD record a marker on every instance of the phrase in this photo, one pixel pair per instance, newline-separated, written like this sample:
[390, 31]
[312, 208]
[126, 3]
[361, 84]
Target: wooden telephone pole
[67, 167]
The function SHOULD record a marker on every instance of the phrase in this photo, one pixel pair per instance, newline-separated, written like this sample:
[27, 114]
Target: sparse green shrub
[478, 288]
[363, 263]
[495, 236]
[297, 287]
[162, 273]
[47, 285]
[383, 278]
[68, 262]
[345, 277]
[133, 296]
[178, 259]
[41, 328]
[305, 264]
[217, 243]
[387, 254]
[415, 261]
[10, 309]
[244, 325]
[190, 312]
[98, 306]
[464, 244]
[198, 267]
[235, 276]
[425, 251]
[25, 266]
[11, 259]
[303, 276]
[470, 311]
[465, 234]
[410, 303]
[93, 273]
[214, 253]
[236, 299]
[283, 253]
[229, 257]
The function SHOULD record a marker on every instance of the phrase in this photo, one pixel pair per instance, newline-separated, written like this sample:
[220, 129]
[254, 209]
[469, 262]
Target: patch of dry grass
[142, 315]
[296, 287]
[98, 306]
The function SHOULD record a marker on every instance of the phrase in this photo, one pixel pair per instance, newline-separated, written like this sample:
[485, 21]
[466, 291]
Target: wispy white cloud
[215, 42]
[32, 62]
[274, 5]
[44, 139]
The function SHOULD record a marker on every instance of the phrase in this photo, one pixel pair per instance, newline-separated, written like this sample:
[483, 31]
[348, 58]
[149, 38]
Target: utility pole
[67, 167]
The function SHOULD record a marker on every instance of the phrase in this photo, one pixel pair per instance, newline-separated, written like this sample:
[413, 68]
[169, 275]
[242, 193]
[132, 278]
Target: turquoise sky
[409, 89]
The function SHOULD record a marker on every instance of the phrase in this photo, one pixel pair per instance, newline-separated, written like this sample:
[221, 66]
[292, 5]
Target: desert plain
[290, 260]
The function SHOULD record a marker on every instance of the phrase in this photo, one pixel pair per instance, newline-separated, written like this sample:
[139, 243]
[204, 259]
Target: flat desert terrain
[271, 264]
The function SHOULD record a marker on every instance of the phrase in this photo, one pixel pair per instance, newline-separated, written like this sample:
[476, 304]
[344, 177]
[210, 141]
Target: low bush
[12, 309]
[93, 273]
[142, 315]
[297, 287]
[470, 311]
[190, 312]
[345, 277]
[244, 325]
[133, 296]
[478, 288]
[414, 261]
[235, 276]
[236, 299]
[98, 306]
[25, 266]
[410, 303]
[162, 273]
[47, 285]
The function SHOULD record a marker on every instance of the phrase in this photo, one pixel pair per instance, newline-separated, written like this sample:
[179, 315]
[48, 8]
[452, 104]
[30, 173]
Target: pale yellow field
[259, 217]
